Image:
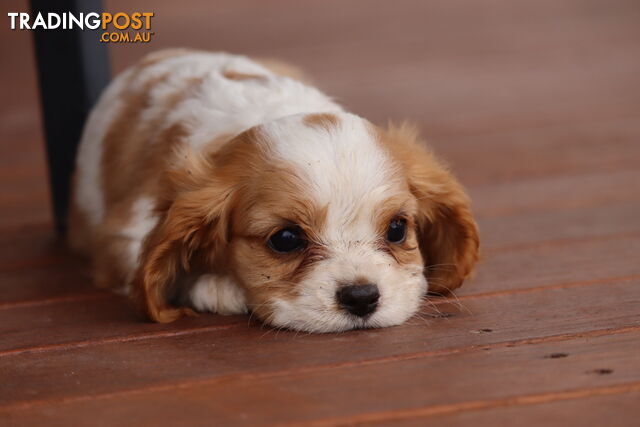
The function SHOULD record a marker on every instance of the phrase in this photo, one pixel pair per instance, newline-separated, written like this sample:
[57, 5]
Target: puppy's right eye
[397, 230]
[288, 239]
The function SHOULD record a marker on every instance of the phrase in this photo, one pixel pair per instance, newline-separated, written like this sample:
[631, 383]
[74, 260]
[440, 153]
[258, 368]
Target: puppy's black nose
[358, 299]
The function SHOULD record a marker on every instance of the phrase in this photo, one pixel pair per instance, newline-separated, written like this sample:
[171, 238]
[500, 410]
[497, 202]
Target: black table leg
[73, 68]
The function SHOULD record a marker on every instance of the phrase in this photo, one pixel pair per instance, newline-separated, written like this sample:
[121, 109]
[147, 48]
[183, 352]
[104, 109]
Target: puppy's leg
[118, 243]
[217, 294]
[112, 267]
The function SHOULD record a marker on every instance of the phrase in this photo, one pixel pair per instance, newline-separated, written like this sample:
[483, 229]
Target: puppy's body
[192, 162]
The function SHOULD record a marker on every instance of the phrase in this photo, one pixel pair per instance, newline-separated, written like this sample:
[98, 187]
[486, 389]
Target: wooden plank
[76, 307]
[567, 150]
[560, 160]
[549, 153]
[613, 208]
[561, 264]
[83, 369]
[555, 193]
[612, 410]
[46, 283]
[30, 247]
[551, 166]
[30, 210]
[453, 92]
[546, 194]
[509, 232]
[396, 388]
[486, 76]
[29, 254]
[36, 265]
[92, 319]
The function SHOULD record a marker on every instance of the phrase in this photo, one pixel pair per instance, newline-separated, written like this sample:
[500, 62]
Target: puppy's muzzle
[359, 300]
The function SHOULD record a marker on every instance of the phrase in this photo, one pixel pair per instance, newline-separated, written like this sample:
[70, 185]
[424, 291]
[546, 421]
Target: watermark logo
[118, 27]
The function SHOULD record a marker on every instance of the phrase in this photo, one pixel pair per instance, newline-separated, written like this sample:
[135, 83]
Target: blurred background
[502, 89]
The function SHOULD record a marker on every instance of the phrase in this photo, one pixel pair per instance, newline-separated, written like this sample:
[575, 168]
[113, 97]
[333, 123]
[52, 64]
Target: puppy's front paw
[218, 295]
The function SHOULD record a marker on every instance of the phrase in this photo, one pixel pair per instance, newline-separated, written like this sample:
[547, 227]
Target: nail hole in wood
[556, 355]
[601, 371]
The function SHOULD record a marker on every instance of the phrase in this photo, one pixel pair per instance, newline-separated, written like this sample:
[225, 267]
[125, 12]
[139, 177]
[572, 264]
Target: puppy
[212, 182]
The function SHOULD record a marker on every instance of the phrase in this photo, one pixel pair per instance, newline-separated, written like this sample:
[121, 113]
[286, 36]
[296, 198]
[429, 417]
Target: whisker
[450, 296]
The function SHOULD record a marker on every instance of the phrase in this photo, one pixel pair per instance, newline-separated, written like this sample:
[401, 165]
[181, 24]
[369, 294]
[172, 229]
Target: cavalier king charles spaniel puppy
[211, 182]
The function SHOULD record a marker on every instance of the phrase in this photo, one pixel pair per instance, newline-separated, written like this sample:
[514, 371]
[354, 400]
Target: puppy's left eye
[288, 239]
[397, 230]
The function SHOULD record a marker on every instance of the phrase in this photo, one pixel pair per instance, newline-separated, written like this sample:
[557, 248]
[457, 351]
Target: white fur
[316, 310]
[88, 194]
[228, 107]
[141, 223]
[344, 168]
[221, 106]
[218, 295]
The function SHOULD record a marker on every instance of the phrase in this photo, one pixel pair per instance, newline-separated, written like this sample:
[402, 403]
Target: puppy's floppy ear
[193, 223]
[448, 234]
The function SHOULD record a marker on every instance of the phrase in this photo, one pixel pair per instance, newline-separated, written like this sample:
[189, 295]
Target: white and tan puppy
[211, 182]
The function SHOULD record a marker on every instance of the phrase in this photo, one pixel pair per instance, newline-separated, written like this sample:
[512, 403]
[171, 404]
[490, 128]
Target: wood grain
[187, 357]
[614, 407]
[504, 272]
[397, 389]
[533, 104]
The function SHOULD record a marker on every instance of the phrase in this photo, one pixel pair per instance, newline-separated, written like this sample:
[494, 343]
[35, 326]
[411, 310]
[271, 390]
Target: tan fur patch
[447, 233]
[406, 252]
[131, 166]
[271, 199]
[326, 121]
[238, 76]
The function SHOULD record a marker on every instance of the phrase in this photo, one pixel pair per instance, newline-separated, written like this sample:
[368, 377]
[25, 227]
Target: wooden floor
[535, 104]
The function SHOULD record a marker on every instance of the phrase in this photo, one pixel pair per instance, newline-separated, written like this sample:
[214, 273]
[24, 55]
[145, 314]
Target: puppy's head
[327, 223]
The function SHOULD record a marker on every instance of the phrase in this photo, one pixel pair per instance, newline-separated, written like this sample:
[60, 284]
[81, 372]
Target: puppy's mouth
[361, 323]
[339, 321]
[350, 309]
